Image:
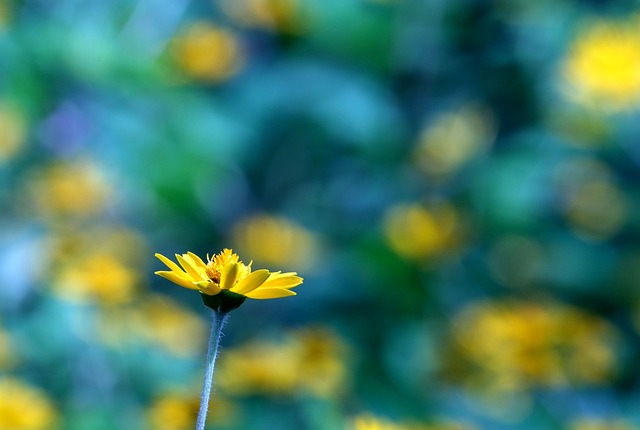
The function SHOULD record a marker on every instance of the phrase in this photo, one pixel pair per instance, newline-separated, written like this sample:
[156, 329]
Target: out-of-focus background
[457, 182]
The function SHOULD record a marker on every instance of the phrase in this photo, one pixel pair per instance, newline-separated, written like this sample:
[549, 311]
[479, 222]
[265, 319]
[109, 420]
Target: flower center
[213, 274]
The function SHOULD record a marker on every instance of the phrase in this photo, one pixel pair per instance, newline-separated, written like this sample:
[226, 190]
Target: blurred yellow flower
[278, 241]
[600, 424]
[7, 357]
[453, 139]
[224, 272]
[165, 322]
[598, 209]
[417, 232]
[206, 52]
[68, 189]
[308, 360]
[13, 127]
[172, 412]
[371, 422]
[277, 15]
[175, 411]
[23, 407]
[602, 68]
[69, 244]
[98, 277]
[156, 320]
[99, 265]
[519, 345]
[593, 204]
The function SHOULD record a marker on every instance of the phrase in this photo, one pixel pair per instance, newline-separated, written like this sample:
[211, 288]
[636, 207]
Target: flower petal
[229, 275]
[283, 280]
[269, 293]
[186, 262]
[177, 279]
[251, 281]
[197, 260]
[209, 287]
[170, 264]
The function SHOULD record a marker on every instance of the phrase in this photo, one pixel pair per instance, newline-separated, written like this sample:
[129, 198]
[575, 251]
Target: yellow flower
[603, 66]
[172, 413]
[224, 272]
[310, 360]
[157, 320]
[175, 411]
[600, 424]
[100, 265]
[516, 345]
[99, 277]
[208, 53]
[371, 422]
[594, 205]
[13, 127]
[274, 240]
[23, 407]
[418, 233]
[285, 16]
[69, 189]
[453, 139]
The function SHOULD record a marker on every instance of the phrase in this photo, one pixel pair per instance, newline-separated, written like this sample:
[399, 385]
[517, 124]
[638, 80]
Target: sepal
[225, 301]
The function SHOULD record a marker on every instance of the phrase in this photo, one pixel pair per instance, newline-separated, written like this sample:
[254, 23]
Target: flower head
[225, 276]
[603, 66]
[24, 407]
[207, 53]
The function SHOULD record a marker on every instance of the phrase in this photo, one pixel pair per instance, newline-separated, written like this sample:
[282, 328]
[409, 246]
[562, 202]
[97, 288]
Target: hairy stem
[218, 320]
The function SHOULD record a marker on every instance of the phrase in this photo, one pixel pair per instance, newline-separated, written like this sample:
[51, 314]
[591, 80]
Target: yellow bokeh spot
[119, 241]
[23, 407]
[417, 232]
[7, 356]
[155, 320]
[602, 67]
[69, 189]
[177, 411]
[593, 204]
[95, 265]
[597, 209]
[276, 15]
[278, 241]
[13, 128]
[172, 413]
[308, 361]
[453, 139]
[600, 424]
[170, 325]
[372, 422]
[206, 52]
[100, 278]
[513, 345]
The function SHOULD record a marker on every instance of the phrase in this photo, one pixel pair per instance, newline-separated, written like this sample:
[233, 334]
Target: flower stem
[218, 319]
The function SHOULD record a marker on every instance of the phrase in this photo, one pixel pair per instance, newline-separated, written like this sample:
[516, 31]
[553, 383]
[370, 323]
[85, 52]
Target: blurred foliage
[457, 182]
